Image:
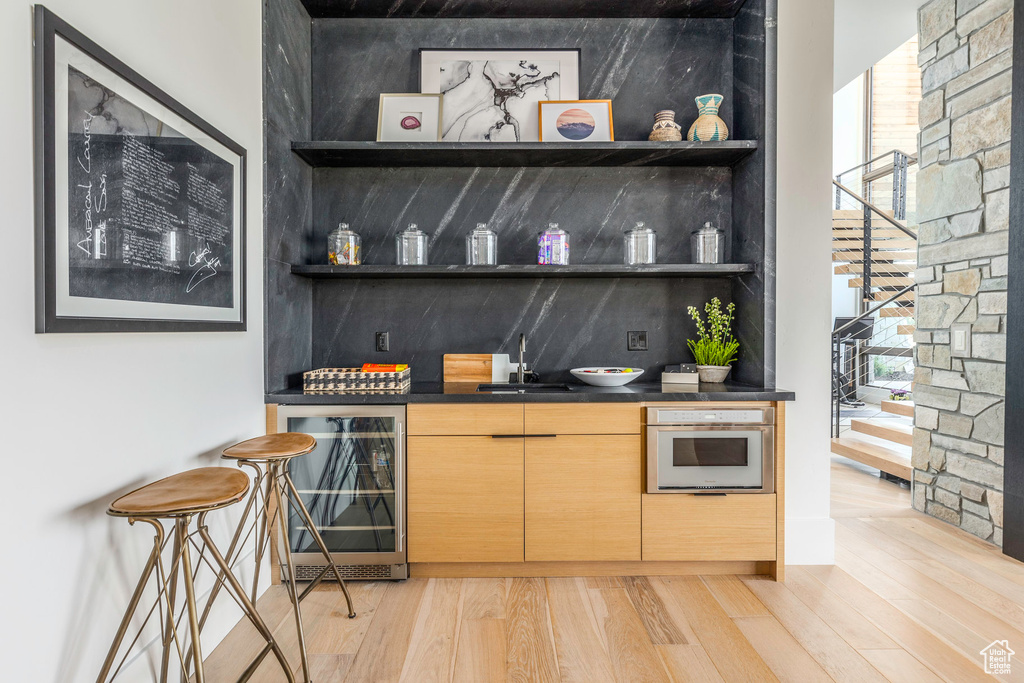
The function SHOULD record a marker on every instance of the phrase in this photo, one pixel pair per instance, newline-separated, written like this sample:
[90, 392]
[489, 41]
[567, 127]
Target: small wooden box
[355, 381]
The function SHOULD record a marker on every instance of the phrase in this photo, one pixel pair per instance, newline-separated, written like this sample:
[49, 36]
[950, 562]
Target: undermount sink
[535, 388]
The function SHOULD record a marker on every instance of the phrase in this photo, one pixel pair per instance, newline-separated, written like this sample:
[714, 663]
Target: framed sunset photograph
[576, 121]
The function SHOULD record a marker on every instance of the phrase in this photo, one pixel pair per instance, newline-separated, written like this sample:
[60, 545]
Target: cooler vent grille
[305, 572]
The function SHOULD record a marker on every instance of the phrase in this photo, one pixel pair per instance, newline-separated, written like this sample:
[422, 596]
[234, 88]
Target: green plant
[715, 344]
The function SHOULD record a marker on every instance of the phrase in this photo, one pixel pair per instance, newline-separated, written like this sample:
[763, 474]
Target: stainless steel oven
[721, 450]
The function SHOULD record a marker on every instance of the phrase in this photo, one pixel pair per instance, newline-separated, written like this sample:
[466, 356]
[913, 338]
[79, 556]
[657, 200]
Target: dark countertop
[437, 392]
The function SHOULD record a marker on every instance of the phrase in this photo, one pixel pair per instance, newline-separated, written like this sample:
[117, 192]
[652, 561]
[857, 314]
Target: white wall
[848, 113]
[847, 152]
[85, 416]
[867, 30]
[804, 271]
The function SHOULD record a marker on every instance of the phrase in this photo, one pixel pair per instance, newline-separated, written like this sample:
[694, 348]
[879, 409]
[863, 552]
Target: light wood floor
[909, 599]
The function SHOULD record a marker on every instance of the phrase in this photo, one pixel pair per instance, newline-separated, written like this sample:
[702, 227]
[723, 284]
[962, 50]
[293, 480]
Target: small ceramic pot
[713, 374]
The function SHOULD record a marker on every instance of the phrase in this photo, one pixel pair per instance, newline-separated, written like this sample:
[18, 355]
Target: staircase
[887, 442]
[873, 354]
[890, 259]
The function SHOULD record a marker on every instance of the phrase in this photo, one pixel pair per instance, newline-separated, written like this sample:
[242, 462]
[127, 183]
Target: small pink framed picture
[409, 117]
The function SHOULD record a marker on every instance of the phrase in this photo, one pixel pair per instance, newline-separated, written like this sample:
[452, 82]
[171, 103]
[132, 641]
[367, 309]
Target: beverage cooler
[353, 484]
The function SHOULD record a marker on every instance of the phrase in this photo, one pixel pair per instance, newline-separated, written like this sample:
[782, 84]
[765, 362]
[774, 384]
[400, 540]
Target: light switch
[960, 340]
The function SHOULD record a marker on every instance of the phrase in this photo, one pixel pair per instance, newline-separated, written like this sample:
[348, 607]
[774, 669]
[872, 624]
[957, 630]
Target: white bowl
[606, 377]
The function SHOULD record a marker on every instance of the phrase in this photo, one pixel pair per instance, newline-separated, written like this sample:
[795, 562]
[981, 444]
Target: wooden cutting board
[467, 367]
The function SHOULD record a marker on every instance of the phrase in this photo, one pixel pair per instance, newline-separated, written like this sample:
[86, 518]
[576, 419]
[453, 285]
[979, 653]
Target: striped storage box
[355, 381]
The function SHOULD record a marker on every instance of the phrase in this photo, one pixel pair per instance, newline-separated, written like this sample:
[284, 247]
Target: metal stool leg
[308, 520]
[248, 607]
[172, 588]
[133, 604]
[190, 598]
[293, 591]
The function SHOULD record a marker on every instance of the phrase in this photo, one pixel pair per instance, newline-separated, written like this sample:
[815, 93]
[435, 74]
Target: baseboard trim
[810, 540]
[562, 569]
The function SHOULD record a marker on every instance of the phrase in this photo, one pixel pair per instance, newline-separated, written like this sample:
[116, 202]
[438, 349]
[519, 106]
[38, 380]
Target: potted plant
[715, 348]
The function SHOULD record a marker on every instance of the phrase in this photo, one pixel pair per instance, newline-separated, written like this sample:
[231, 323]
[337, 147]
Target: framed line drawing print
[491, 95]
[140, 223]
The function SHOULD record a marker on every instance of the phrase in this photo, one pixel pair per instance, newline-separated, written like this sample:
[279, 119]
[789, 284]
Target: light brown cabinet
[562, 496]
[694, 527]
[465, 498]
[583, 498]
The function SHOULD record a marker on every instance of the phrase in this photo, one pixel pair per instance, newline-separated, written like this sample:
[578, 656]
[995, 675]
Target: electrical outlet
[636, 341]
[383, 341]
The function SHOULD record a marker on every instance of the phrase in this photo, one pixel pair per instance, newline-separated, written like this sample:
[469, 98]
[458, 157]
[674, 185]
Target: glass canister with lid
[553, 246]
[344, 247]
[708, 244]
[640, 246]
[481, 246]
[411, 247]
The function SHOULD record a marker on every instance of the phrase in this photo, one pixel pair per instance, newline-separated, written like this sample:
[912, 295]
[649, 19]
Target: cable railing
[869, 176]
[873, 351]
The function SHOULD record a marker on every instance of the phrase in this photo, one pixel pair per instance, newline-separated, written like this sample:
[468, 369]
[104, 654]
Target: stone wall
[963, 211]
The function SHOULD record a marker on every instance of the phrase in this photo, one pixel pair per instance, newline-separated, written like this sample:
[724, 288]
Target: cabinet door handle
[507, 436]
[540, 436]
[523, 436]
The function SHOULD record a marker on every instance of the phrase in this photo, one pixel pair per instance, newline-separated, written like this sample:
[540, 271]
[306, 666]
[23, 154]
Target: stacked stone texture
[963, 212]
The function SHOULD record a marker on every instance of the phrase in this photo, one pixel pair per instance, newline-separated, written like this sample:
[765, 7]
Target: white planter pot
[713, 374]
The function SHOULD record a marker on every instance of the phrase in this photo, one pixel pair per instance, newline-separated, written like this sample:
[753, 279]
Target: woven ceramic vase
[708, 126]
[665, 127]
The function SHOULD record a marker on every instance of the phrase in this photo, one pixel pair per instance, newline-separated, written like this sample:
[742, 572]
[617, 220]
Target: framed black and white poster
[492, 95]
[140, 221]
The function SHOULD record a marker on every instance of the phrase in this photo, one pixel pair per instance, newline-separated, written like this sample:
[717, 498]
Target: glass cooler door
[352, 483]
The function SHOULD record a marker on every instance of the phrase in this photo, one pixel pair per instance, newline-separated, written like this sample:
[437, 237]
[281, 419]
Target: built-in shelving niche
[325, 64]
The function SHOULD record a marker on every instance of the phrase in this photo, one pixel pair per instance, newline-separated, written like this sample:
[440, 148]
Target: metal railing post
[867, 253]
[836, 375]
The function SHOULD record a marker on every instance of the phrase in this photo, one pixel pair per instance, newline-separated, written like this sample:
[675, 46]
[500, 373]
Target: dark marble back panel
[568, 323]
[642, 65]
[287, 187]
[753, 222]
[594, 205]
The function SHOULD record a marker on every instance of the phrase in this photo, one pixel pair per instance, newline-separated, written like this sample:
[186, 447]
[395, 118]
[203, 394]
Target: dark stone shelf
[520, 9]
[518, 154]
[523, 271]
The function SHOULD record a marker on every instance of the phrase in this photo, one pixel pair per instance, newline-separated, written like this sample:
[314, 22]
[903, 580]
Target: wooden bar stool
[179, 498]
[268, 456]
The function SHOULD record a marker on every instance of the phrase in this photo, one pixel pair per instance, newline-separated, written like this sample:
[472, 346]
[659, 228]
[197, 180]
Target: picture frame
[140, 203]
[409, 117]
[580, 121]
[491, 94]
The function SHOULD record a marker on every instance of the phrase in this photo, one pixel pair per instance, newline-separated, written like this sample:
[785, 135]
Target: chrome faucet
[522, 352]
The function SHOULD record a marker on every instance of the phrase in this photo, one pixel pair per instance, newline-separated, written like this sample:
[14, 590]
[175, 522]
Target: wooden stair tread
[897, 312]
[879, 257]
[882, 296]
[882, 281]
[904, 408]
[881, 458]
[876, 269]
[857, 231]
[905, 330]
[885, 428]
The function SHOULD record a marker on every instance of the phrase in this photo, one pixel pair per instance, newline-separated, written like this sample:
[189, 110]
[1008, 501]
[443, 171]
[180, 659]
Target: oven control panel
[690, 416]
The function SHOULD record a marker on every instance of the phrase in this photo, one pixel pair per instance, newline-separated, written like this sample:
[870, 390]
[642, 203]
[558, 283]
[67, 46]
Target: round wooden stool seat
[272, 447]
[206, 488]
